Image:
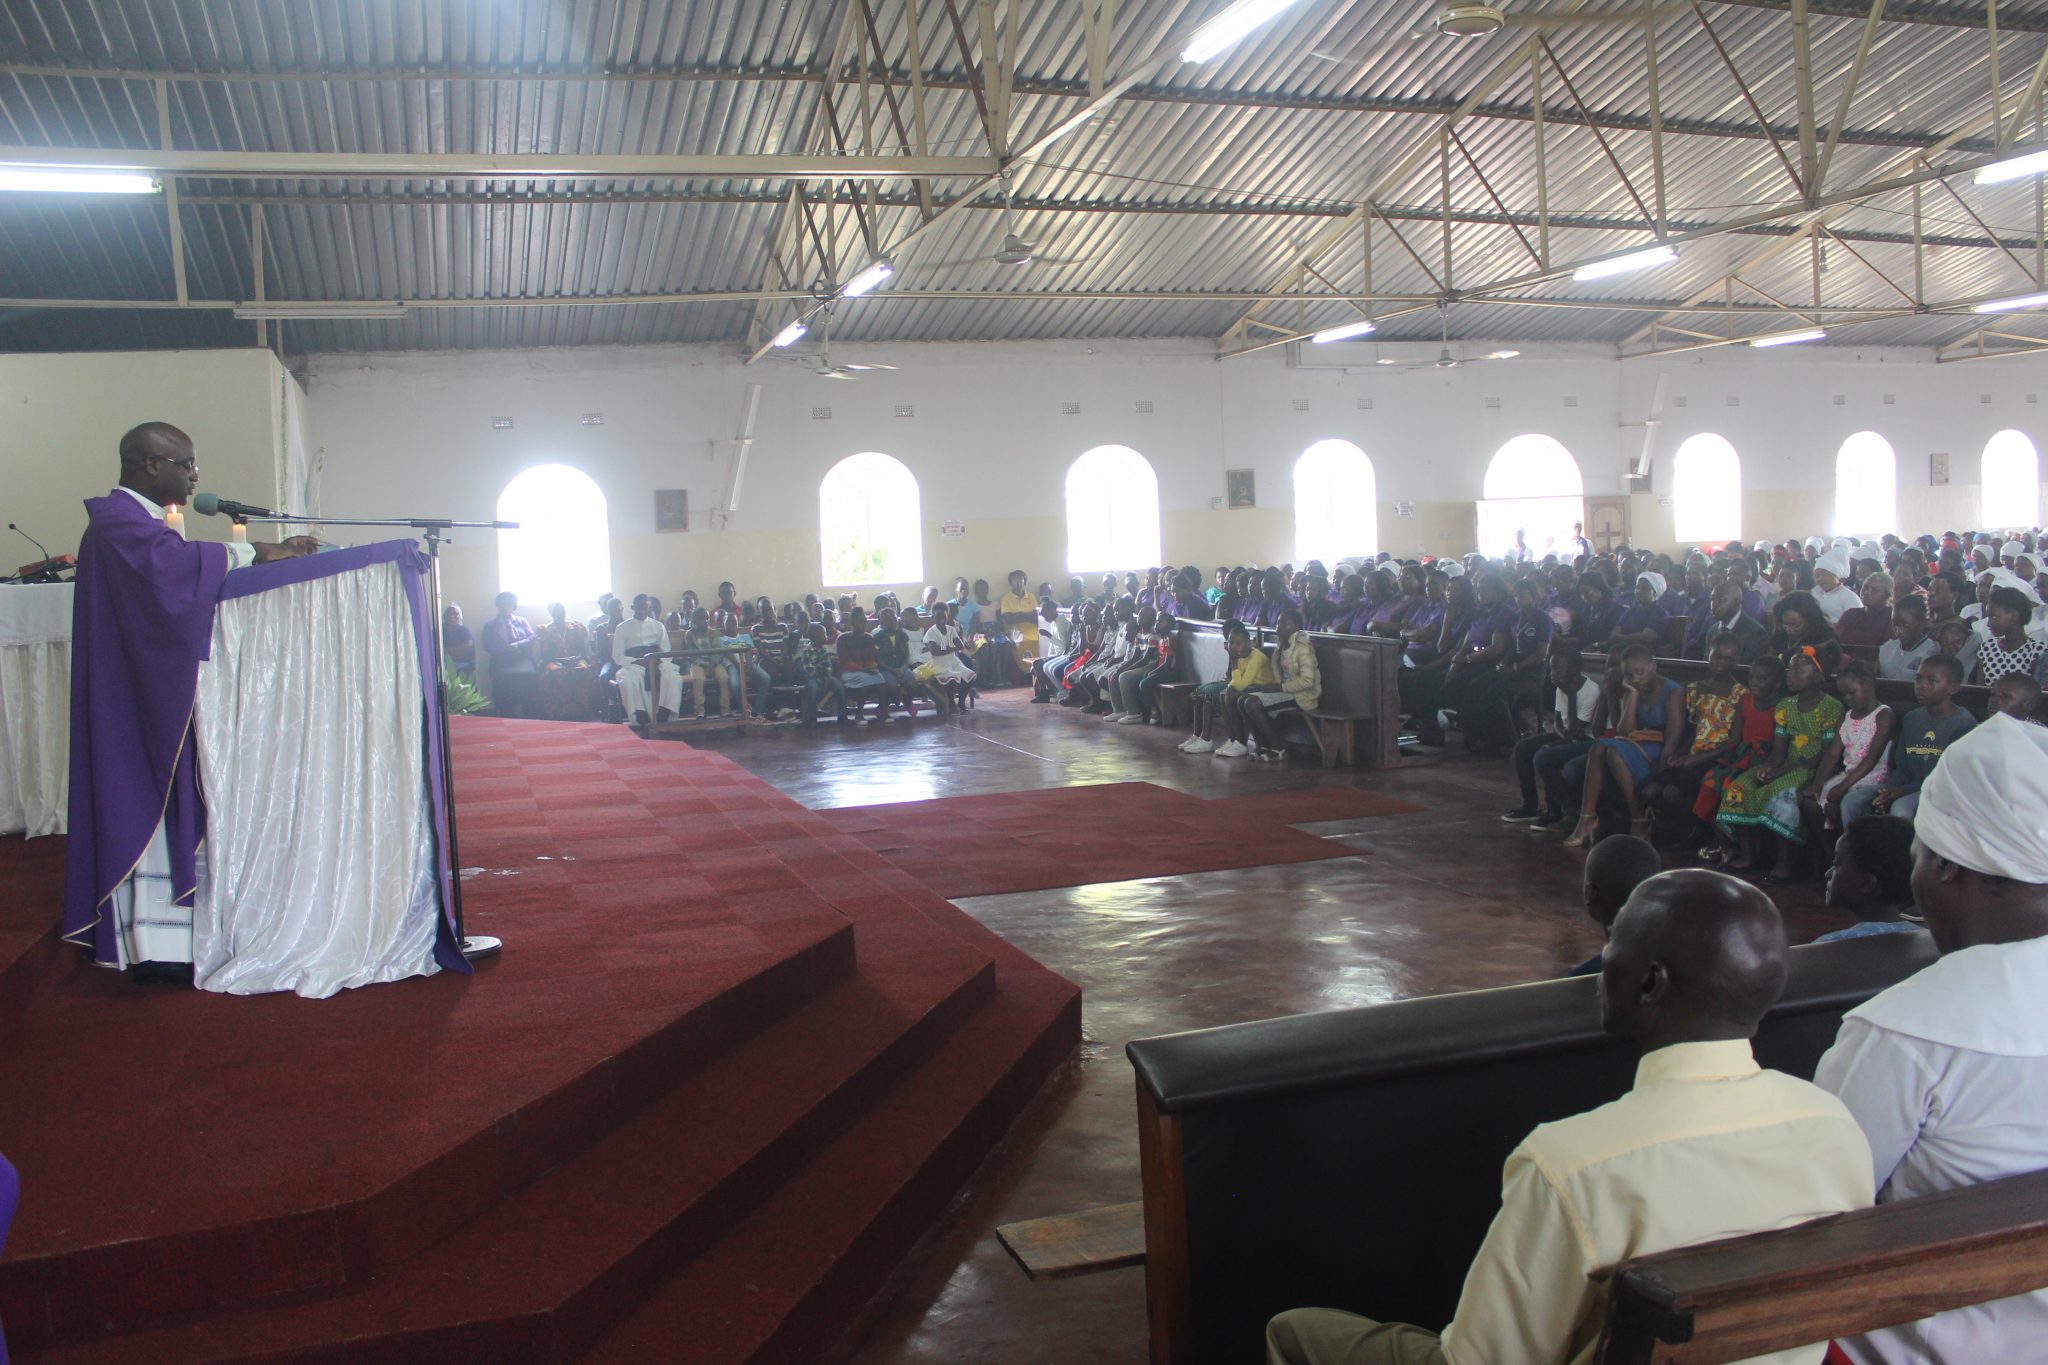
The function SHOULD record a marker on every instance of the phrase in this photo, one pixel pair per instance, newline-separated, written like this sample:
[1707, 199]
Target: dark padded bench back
[1352, 1159]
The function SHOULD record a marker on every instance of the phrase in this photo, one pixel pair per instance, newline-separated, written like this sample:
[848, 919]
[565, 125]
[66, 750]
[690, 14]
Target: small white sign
[953, 528]
[1404, 509]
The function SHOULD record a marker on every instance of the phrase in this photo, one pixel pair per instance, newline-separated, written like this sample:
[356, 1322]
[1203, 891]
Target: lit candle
[174, 517]
[240, 534]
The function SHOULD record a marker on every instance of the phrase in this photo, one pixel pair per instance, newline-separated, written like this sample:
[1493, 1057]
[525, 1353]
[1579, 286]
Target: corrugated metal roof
[1209, 179]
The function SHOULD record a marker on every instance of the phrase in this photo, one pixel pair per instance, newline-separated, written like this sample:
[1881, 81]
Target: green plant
[460, 697]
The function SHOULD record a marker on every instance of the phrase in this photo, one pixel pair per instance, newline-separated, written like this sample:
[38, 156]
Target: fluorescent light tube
[1790, 338]
[2013, 168]
[1343, 331]
[76, 180]
[790, 334]
[2012, 305]
[1503, 355]
[1622, 265]
[315, 311]
[867, 280]
[1222, 33]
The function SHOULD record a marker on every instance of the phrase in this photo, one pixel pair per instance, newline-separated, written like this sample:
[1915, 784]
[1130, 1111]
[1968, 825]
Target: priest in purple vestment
[142, 621]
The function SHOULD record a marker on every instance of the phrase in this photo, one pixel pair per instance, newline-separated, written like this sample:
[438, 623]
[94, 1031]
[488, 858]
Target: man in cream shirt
[1948, 1070]
[1707, 1145]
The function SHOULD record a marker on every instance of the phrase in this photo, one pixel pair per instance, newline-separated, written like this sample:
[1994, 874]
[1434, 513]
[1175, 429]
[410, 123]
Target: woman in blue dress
[1651, 724]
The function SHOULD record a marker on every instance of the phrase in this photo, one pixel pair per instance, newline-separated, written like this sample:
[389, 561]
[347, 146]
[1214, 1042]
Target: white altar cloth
[35, 707]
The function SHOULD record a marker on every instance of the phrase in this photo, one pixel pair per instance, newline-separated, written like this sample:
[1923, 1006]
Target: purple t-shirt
[1349, 618]
[1487, 624]
[1638, 619]
[1533, 630]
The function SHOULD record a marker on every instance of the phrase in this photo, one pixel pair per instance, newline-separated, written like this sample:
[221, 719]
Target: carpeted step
[808, 1261]
[544, 1273]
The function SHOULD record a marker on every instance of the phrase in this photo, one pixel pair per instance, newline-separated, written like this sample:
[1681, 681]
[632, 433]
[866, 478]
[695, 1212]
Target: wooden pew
[1352, 1158]
[1831, 1278]
[1360, 711]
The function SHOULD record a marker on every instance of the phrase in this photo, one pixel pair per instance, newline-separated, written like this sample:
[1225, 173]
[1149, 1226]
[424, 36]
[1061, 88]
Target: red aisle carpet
[1109, 832]
[721, 1024]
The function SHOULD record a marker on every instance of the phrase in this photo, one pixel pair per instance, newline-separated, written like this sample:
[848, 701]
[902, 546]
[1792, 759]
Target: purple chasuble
[141, 623]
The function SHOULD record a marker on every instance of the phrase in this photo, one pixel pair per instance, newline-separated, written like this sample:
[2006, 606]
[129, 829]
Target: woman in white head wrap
[2010, 551]
[1834, 596]
[1947, 1072]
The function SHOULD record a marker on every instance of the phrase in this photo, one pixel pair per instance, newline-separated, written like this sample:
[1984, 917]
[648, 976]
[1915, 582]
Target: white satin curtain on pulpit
[319, 850]
[35, 708]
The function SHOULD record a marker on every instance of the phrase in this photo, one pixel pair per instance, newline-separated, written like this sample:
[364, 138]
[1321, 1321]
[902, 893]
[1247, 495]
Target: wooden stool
[1174, 701]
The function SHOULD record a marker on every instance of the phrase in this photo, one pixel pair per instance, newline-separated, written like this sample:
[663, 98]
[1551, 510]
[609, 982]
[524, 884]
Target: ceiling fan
[1014, 250]
[1444, 359]
[1478, 19]
[820, 362]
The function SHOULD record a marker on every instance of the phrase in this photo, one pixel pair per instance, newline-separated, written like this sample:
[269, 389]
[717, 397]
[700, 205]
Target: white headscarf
[1986, 802]
[2006, 578]
[1835, 561]
[1655, 580]
[1451, 567]
[2012, 549]
[1816, 543]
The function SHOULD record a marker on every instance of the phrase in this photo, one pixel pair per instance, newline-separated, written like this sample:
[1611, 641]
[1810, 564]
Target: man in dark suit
[1750, 638]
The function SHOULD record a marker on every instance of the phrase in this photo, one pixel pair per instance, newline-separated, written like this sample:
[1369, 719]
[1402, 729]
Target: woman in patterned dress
[568, 683]
[1765, 800]
[1756, 725]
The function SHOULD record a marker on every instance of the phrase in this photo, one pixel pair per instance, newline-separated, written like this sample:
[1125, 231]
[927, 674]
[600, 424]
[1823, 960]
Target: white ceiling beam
[484, 166]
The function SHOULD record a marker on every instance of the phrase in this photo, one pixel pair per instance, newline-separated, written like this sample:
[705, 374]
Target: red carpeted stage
[732, 1063]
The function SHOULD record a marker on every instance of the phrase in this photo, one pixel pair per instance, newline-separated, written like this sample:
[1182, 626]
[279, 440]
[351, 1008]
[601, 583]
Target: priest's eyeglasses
[188, 464]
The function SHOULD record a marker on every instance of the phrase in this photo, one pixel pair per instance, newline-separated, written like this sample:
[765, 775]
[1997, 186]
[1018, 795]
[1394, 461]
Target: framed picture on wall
[1937, 469]
[1240, 489]
[671, 509]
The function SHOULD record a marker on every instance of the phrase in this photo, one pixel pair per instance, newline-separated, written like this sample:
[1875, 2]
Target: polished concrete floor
[1450, 899]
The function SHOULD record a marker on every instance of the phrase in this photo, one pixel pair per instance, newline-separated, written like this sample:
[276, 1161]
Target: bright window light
[2011, 482]
[1502, 355]
[2012, 305]
[76, 180]
[1622, 265]
[870, 522]
[867, 279]
[1336, 504]
[1223, 32]
[2013, 168]
[1112, 511]
[1866, 486]
[790, 334]
[1706, 491]
[562, 551]
[1533, 486]
[1791, 338]
[1343, 331]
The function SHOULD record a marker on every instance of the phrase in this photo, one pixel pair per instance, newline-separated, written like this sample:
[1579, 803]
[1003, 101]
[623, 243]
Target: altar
[35, 707]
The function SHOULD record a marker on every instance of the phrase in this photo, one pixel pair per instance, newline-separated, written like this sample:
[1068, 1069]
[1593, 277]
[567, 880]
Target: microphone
[213, 504]
[29, 538]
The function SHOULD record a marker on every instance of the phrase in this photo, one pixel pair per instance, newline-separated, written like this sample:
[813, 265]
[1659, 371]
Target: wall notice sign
[953, 528]
[1404, 509]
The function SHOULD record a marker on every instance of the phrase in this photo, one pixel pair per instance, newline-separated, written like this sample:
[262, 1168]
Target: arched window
[1532, 486]
[1336, 508]
[1866, 486]
[870, 523]
[2011, 484]
[1706, 491]
[1112, 511]
[562, 551]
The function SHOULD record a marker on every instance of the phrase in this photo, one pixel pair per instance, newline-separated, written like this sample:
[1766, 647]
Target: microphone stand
[432, 530]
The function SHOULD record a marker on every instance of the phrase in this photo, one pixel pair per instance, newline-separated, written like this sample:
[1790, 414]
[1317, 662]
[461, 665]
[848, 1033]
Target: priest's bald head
[157, 461]
[1695, 956]
[1980, 857]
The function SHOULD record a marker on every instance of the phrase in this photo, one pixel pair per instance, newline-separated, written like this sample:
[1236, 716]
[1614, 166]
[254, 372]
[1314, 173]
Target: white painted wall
[990, 444]
[65, 414]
